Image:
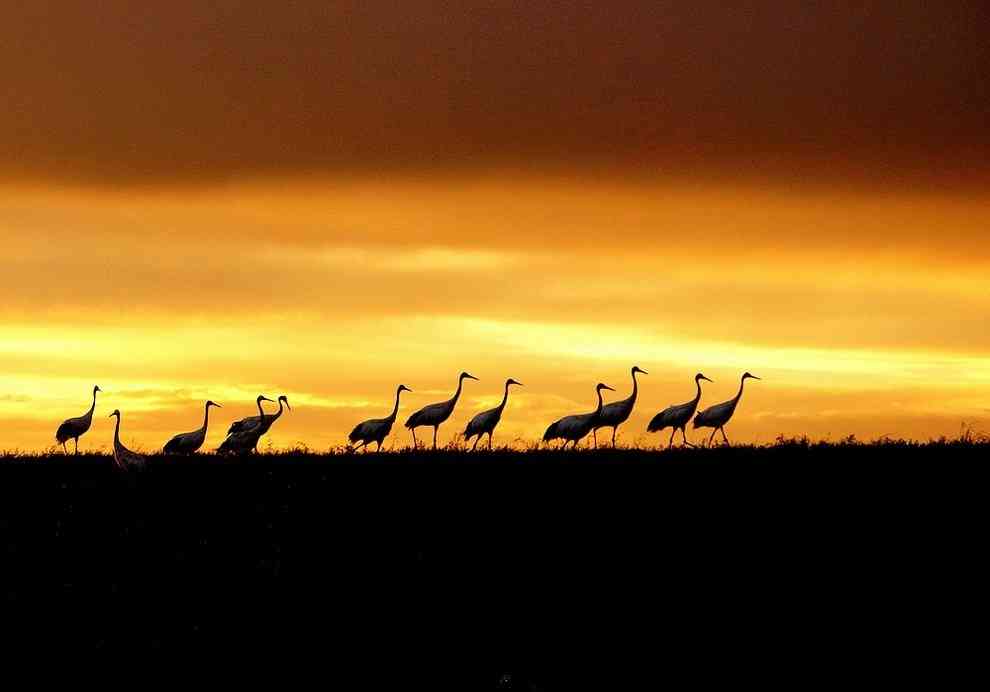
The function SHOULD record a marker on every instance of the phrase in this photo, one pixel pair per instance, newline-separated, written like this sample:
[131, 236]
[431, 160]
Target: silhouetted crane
[122, 456]
[244, 441]
[190, 442]
[718, 415]
[678, 416]
[265, 419]
[74, 428]
[436, 414]
[617, 413]
[573, 428]
[376, 429]
[486, 421]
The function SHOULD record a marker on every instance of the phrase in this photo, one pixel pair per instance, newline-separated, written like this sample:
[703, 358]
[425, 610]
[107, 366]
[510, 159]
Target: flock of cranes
[243, 435]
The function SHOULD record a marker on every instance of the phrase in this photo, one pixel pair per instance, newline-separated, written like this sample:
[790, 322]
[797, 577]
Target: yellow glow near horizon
[864, 313]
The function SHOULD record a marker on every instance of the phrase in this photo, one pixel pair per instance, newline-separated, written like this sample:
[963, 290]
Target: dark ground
[534, 571]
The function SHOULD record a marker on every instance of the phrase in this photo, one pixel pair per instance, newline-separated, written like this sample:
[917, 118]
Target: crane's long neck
[505, 397]
[697, 397]
[742, 383]
[395, 409]
[206, 417]
[261, 411]
[280, 404]
[635, 390]
[600, 402]
[93, 405]
[457, 394]
[116, 431]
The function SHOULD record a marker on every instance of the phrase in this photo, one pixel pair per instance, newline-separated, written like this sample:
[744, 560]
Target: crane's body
[678, 416]
[244, 441]
[376, 429]
[435, 414]
[123, 457]
[264, 419]
[574, 428]
[74, 428]
[615, 414]
[486, 421]
[190, 442]
[718, 415]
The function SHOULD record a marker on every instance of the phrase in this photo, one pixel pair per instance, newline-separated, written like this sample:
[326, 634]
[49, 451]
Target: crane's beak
[755, 377]
[217, 405]
[707, 380]
[643, 371]
[287, 404]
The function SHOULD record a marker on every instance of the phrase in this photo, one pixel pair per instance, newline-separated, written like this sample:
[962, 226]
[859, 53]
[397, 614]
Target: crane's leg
[435, 429]
[672, 433]
[594, 435]
[64, 450]
[712, 437]
[724, 437]
[475, 443]
[489, 440]
[614, 428]
[684, 435]
[76, 439]
[379, 443]
[415, 444]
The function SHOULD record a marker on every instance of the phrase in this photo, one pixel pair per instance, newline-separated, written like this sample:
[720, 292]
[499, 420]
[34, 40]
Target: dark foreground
[534, 571]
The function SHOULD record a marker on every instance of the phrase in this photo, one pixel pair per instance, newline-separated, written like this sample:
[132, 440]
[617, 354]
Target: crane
[486, 421]
[573, 428]
[677, 417]
[245, 440]
[718, 415]
[436, 414]
[266, 418]
[190, 442]
[122, 456]
[74, 428]
[617, 413]
[376, 429]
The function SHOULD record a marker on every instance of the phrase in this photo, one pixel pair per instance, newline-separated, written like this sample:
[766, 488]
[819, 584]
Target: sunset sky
[324, 200]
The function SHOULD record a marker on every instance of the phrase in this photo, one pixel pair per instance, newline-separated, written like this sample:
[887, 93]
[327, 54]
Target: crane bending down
[74, 428]
[376, 429]
[245, 440]
[122, 456]
[190, 442]
[436, 414]
[617, 413]
[486, 421]
[718, 415]
[677, 417]
[573, 428]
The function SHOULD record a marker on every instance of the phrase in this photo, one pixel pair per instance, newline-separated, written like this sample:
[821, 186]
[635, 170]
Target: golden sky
[325, 200]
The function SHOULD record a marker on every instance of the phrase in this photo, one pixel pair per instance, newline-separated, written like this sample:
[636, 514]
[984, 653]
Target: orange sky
[334, 291]
[215, 200]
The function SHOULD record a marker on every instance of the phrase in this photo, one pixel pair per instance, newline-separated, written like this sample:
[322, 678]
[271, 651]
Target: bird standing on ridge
[718, 415]
[74, 428]
[376, 429]
[265, 419]
[436, 414]
[190, 442]
[122, 456]
[486, 421]
[677, 417]
[243, 441]
[617, 413]
[573, 428]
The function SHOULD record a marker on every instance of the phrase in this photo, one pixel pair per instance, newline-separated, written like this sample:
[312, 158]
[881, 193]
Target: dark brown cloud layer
[189, 89]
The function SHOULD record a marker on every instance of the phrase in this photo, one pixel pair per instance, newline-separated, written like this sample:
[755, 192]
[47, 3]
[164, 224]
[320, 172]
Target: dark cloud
[188, 89]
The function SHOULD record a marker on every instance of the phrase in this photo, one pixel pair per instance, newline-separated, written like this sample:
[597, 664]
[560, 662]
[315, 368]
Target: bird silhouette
[718, 415]
[436, 414]
[245, 440]
[677, 417]
[376, 429]
[574, 428]
[74, 428]
[486, 421]
[190, 442]
[265, 419]
[615, 414]
[122, 456]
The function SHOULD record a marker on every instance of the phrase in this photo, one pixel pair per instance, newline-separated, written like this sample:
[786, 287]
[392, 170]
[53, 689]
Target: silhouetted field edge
[779, 449]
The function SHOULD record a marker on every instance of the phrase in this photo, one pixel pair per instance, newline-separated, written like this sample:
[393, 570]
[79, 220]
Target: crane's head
[97, 389]
[285, 399]
[602, 385]
[636, 369]
[262, 397]
[116, 412]
[512, 381]
[699, 376]
[748, 376]
[468, 376]
[213, 403]
[404, 388]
